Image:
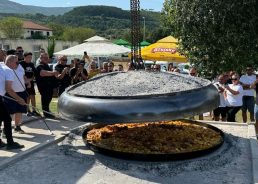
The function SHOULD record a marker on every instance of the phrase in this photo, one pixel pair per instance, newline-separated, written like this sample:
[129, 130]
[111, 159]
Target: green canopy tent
[121, 42]
[144, 43]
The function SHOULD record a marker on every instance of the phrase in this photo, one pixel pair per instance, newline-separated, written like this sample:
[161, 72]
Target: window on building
[39, 32]
[32, 32]
[47, 33]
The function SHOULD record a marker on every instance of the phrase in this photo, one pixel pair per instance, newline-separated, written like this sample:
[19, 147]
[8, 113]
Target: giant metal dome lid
[138, 96]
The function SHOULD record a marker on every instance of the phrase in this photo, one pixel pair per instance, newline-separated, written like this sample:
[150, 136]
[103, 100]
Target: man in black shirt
[45, 79]
[30, 72]
[63, 74]
[19, 53]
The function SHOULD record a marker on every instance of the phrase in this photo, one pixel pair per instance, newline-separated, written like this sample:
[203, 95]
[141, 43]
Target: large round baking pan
[122, 109]
[153, 157]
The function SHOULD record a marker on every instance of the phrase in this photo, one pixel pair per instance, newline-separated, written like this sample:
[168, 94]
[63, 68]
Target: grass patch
[53, 104]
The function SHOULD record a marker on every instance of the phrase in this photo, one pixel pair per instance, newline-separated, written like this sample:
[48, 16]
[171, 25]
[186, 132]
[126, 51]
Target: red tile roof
[31, 25]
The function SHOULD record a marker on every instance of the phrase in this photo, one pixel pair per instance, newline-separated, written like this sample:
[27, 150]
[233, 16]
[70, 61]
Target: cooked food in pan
[166, 137]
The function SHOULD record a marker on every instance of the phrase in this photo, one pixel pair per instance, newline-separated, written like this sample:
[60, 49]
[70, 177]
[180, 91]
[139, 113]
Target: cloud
[68, 3]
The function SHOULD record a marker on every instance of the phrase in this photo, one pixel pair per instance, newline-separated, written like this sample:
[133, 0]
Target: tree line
[216, 36]
[83, 22]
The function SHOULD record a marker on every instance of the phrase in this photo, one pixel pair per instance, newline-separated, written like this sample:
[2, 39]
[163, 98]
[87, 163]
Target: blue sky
[156, 5]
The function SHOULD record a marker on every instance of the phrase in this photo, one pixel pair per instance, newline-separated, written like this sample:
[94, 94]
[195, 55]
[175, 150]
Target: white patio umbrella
[95, 47]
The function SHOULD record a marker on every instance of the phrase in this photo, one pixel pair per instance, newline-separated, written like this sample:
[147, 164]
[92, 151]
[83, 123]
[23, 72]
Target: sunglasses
[234, 79]
[192, 73]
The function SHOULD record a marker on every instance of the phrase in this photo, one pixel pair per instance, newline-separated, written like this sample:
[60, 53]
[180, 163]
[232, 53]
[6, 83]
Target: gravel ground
[134, 83]
[71, 162]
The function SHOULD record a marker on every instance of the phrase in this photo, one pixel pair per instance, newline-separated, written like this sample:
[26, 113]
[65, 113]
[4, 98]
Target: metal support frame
[136, 60]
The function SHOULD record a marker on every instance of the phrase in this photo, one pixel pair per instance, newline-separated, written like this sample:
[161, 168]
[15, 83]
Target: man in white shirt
[222, 109]
[17, 85]
[4, 114]
[248, 96]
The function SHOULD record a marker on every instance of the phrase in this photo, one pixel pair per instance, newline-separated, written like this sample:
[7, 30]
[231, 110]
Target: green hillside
[107, 21]
[12, 7]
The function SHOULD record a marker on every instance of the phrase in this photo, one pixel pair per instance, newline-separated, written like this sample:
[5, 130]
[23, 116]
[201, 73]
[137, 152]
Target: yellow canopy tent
[163, 50]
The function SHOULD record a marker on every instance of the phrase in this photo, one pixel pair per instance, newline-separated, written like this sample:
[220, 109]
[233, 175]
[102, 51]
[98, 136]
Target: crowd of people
[18, 76]
[237, 93]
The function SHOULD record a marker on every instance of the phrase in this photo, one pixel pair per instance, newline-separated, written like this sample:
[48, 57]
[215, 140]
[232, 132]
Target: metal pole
[10, 98]
[143, 28]
[135, 33]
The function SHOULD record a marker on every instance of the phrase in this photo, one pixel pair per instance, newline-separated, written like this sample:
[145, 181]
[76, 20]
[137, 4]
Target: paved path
[37, 134]
[71, 162]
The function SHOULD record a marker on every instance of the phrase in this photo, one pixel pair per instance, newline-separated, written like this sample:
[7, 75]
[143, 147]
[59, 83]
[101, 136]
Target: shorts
[220, 111]
[31, 90]
[256, 112]
[248, 104]
[15, 107]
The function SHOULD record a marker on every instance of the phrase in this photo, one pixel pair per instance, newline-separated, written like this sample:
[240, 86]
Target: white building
[31, 28]
[33, 45]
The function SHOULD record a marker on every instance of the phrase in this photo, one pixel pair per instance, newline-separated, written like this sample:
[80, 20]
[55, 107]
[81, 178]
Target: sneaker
[18, 130]
[14, 145]
[35, 113]
[2, 144]
[50, 116]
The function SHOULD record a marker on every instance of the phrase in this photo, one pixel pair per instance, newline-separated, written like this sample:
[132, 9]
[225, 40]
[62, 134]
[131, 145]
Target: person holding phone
[79, 73]
[63, 77]
[85, 57]
[233, 95]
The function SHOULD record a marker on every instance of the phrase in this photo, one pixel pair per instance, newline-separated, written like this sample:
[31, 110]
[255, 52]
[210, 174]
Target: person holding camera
[85, 57]
[78, 73]
[63, 77]
[233, 95]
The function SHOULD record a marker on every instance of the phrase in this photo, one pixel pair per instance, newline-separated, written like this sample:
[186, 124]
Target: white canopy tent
[95, 46]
